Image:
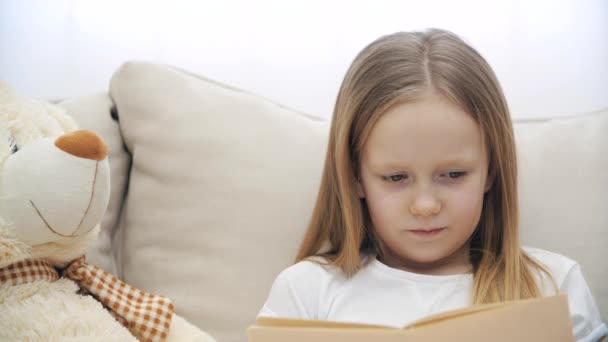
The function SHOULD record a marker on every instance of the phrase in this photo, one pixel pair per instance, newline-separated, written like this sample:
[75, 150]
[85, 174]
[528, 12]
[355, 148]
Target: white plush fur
[11, 249]
[42, 310]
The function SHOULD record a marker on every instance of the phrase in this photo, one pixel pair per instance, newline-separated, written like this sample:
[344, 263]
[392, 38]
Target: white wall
[551, 56]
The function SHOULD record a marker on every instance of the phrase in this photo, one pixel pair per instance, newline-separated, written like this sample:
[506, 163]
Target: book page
[305, 323]
[301, 323]
[475, 309]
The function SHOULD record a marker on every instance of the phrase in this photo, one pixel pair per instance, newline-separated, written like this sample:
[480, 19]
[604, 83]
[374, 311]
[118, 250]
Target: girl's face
[423, 174]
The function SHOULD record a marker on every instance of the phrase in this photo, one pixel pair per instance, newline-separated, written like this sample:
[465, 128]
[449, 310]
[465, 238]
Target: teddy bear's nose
[83, 144]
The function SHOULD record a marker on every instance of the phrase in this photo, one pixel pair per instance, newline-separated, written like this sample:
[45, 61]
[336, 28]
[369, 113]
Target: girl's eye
[455, 174]
[395, 178]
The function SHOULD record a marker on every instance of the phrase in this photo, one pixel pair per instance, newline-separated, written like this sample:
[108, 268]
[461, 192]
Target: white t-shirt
[378, 294]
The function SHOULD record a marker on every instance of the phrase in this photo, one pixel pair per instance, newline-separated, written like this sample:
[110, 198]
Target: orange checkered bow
[148, 317]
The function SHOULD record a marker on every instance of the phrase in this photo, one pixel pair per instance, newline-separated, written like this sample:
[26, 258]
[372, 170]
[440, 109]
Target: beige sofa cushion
[221, 189]
[93, 112]
[564, 192]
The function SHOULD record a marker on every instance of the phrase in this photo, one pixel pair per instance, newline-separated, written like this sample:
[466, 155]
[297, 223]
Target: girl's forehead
[430, 128]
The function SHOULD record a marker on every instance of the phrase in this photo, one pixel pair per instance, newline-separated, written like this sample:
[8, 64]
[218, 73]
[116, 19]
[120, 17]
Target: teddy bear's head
[54, 182]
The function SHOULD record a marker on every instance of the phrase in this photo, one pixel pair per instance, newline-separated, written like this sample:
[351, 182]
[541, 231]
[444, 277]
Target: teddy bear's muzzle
[55, 189]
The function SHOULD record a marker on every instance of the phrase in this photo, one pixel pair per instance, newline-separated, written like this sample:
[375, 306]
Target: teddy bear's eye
[13, 144]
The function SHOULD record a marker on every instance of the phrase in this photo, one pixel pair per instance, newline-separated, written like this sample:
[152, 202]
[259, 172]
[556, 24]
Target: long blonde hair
[399, 68]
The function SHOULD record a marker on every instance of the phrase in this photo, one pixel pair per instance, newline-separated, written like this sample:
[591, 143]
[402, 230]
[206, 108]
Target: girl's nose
[83, 144]
[425, 205]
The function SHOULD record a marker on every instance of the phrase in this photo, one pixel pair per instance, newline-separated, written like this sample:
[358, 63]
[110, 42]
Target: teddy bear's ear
[7, 93]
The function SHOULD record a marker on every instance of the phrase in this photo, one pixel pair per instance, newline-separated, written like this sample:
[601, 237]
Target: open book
[545, 319]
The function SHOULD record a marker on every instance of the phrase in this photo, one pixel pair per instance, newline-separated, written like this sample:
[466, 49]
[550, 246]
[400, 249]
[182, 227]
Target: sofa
[213, 187]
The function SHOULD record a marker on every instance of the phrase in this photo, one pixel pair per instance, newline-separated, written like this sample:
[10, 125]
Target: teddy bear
[54, 190]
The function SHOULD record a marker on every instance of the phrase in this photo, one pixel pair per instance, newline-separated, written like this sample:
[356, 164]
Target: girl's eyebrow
[465, 159]
[456, 160]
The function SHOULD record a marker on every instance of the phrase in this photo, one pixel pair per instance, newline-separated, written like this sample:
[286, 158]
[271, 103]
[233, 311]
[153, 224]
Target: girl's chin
[431, 263]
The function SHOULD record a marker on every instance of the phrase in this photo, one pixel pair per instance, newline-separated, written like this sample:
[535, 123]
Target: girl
[417, 210]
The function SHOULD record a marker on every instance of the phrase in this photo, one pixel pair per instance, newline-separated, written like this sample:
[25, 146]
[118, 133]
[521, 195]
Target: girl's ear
[357, 175]
[360, 191]
[489, 182]
[490, 179]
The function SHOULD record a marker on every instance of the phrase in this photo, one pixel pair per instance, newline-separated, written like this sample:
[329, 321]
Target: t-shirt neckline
[417, 277]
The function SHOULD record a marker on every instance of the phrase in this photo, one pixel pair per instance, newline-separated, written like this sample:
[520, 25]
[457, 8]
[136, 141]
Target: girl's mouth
[427, 232]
